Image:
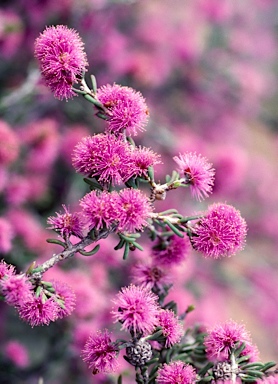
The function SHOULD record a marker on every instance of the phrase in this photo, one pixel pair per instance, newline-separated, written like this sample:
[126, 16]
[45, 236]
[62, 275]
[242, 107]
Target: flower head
[65, 298]
[132, 209]
[143, 158]
[171, 251]
[151, 276]
[98, 209]
[127, 110]
[100, 353]
[198, 173]
[136, 309]
[39, 311]
[104, 157]
[221, 339]
[17, 353]
[62, 59]
[176, 372]
[6, 269]
[16, 289]
[221, 232]
[67, 223]
[171, 326]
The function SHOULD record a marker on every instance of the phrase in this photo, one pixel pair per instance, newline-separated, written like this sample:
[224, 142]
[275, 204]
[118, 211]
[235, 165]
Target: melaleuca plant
[122, 189]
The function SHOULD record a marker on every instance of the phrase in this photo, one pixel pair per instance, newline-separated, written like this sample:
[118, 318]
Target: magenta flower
[98, 209]
[143, 158]
[172, 251]
[176, 372]
[198, 173]
[100, 353]
[65, 298]
[17, 353]
[137, 309]
[151, 276]
[221, 232]
[6, 269]
[221, 339]
[104, 157]
[62, 59]
[127, 110]
[39, 311]
[67, 223]
[171, 326]
[16, 289]
[132, 210]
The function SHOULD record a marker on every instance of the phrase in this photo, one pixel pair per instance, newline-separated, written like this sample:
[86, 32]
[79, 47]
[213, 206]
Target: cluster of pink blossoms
[36, 303]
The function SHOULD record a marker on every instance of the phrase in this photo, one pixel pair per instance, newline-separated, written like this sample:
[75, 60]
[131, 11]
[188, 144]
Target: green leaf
[94, 83]
[90, 253]
[58, 242]
[268, 365]
[126, 251]
[174, 229]
[120, 379]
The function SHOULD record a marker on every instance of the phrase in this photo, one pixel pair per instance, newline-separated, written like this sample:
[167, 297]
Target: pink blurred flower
[9, 148]
[71, 137]
[104, 157]
[171, 326]
[65, 298]
[132, 209]
[38, 311]
[6, 235]
[176, 372]
[221, 232]
[127, 110]
[16, 289]
[100, 353]
[151, 276]
[197, 173]
[171, 251]
[11, 32]
[136, 309]
[67, 223]
[221, 339]
[17, 353]
[62, 59]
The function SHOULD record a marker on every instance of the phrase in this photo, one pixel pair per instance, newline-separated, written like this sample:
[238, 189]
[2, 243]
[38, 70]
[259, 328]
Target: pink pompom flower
[62, 59]
[132, 209]
[100, 353]
[222, 338]
[39, 311]
[6, 269]
[171, 326]
[127, 109]
[198, 174]
[65, 298]
[151, 276]
[67, 223]
[221, 232]
[137, 309]
[171, 251]
[176, 372]
[104, 157]
[16, 289]
[143, 158]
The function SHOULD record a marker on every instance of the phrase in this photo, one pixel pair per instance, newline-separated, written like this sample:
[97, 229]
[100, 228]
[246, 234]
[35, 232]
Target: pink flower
[62, 59]
[16, 289]
[221, 339]
[137, 309]
[67, 223]
[65, 298]
[176, 372]
[17, 353]
[151, 276]
[104, 157]
[6, 235]
[39, 311]
[221, 232]
[127, 110]
[97, 209]
[9, 148]
[171, 326]
[198, 173]
[100, 353]
[132, 210]
[143, 158]
[173, 250]
[6, 269]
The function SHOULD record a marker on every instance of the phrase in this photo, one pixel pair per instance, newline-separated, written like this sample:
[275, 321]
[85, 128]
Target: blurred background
[208, 71]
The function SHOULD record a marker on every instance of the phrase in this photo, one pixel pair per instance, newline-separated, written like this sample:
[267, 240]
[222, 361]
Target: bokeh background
[208, 71]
